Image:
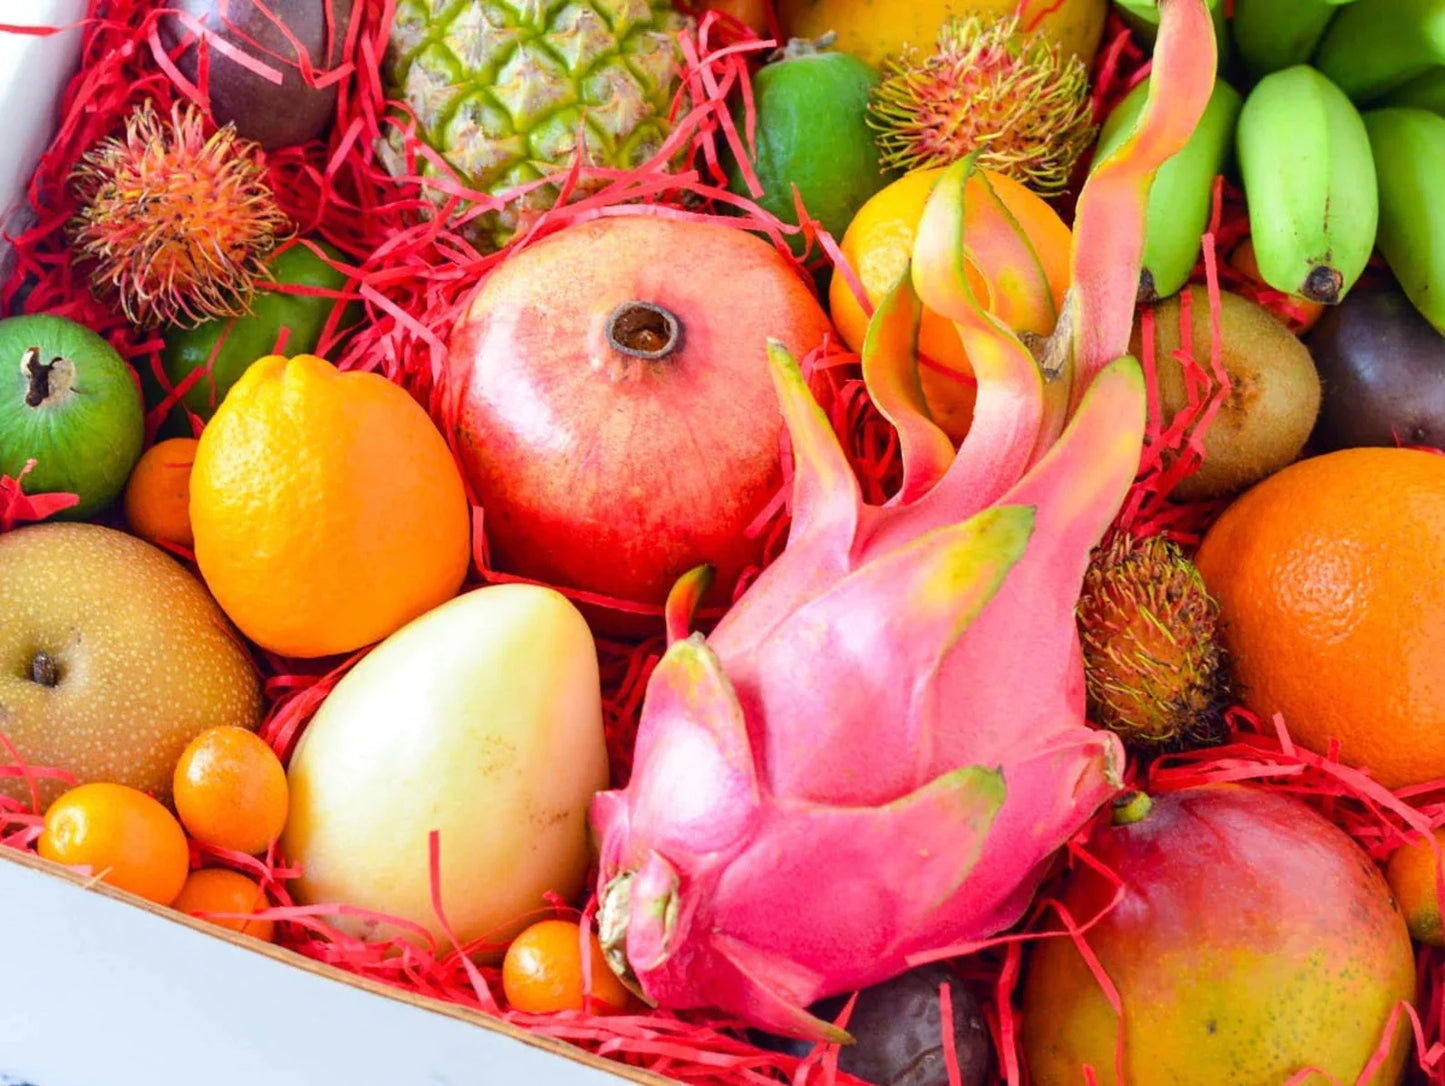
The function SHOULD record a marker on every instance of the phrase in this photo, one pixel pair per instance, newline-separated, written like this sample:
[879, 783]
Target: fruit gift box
[811, 542]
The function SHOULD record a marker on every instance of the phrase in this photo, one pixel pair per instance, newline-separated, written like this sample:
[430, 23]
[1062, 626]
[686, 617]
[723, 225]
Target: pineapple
[502, 89]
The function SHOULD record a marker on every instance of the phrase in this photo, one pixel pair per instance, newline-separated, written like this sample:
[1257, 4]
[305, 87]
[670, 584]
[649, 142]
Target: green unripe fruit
[242, 340]
[69, 402]
[812, 131]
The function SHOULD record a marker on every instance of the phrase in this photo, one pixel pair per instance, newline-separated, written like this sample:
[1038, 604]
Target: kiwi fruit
[1274, 391]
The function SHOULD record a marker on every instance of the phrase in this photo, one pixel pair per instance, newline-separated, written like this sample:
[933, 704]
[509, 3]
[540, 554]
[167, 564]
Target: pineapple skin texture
[502, 89]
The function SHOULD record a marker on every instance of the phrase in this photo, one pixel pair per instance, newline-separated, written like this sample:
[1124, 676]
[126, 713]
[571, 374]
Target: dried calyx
[45, 381]
[644, 330]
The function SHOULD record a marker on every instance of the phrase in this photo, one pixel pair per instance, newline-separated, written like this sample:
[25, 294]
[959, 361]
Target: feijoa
[69, 402]
[812, 132]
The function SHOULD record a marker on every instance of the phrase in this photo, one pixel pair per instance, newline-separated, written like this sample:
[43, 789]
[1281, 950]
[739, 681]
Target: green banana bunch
[1309, 178]
[1182, 196]
[1409, 151]
[1376, 46]
[1425, 92]
[1275, 34]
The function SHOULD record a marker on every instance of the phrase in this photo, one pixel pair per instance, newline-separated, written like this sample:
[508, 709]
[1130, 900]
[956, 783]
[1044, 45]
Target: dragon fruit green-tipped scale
[871, 759]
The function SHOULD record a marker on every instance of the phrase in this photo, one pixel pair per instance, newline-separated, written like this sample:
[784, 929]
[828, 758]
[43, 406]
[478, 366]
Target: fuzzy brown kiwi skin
[1274, 395]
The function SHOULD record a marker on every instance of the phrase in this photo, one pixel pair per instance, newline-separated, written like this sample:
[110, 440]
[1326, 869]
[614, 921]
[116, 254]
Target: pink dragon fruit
[872, 758]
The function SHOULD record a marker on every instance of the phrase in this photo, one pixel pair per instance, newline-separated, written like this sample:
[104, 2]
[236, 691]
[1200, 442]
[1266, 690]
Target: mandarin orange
[1331, 581]
[217, 890]
[158, 496]
[328, 511]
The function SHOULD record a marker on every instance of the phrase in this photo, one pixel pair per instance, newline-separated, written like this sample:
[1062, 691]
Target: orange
[124, 836]
[158, 496]
[542, 972]
[1411, 875]
[1331, 582]
[230, 790]
[216, 890]
[878, 245]
[328, 511]
[874, 29]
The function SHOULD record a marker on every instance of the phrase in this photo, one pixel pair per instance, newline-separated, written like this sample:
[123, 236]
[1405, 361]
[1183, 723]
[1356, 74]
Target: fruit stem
[644, 330]
[43, 669]
[1131, 807]
[1323, 285]
[39, 373]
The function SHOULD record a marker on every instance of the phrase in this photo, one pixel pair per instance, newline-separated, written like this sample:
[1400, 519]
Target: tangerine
[1331, 581]
[217, 890]
[328, 511]
[158, 496]
[230, 790]
[878, 245]
[542, 971]
[1410, 872]
[126, 838]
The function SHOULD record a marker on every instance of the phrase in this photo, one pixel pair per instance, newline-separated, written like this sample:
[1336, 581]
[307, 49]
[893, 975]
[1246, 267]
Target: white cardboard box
[101, 989]
[33, 74]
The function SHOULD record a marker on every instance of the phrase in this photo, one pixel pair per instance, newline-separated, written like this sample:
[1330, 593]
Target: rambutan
[1017, 99]
[1154, 668]
[178, 224]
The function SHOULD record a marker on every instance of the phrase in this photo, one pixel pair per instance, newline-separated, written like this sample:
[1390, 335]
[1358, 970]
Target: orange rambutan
[1014, 98]
[1155, 670]
[177, 223]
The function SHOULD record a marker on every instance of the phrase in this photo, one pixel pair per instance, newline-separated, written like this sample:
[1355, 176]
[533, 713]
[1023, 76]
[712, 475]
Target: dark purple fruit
[274, 115]
[896, 1027]
[1382, 366]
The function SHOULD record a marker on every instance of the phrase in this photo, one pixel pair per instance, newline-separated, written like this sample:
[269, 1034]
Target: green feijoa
[69, 402]
[812, 131]
[224, 348]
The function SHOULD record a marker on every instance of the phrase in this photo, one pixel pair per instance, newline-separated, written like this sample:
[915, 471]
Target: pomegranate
[617, 419]
[1254, 941]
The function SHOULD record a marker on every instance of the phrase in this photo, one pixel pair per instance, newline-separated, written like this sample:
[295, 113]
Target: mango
[481, 720]
[1254, 940]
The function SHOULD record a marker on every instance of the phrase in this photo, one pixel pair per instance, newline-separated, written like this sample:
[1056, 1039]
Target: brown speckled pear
[112, 658]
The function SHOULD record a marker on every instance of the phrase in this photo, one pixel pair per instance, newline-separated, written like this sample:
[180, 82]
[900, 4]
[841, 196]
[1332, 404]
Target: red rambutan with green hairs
[1154, 669]
[178, 224]
[1014, 98]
